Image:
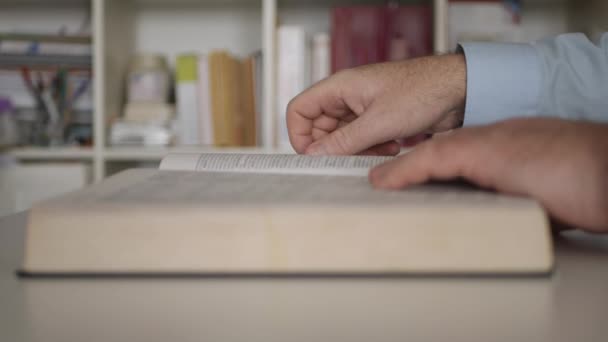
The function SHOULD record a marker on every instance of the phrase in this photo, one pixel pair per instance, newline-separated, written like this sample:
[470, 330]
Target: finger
[453, 156]
[326, 123]
[323, 126]
[352, 138]
[322, 98]
[318, 134]
[390, 148]
[415, 140]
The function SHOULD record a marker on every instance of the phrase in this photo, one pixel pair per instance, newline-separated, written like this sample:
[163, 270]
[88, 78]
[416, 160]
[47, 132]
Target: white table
[571, 305]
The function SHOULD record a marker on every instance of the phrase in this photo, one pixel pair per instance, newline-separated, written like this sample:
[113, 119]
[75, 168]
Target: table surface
[570, 305]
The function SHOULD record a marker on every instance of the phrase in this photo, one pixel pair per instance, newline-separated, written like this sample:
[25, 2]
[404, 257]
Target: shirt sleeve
[565, 76]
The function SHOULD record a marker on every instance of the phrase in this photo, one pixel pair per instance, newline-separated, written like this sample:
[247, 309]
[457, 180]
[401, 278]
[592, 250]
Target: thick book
[282, 214]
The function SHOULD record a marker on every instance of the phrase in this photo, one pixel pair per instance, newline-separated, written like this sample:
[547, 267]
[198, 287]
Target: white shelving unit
[123, 27]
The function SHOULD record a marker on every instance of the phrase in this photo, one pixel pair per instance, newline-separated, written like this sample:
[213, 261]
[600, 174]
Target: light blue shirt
[565, 76]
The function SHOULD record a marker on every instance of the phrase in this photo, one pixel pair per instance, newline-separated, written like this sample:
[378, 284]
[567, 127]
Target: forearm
[566, 77]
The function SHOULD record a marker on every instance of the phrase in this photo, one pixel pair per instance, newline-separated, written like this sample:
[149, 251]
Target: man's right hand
[365, 109]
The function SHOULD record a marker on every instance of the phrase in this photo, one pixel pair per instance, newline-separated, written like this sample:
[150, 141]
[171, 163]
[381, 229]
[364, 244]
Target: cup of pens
[8, 124]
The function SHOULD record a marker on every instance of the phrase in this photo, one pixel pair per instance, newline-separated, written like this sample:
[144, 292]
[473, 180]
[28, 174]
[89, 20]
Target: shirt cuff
[503, 81]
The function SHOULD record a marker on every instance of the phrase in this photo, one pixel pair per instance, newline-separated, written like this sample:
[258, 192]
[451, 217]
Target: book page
[178, 188]
[272, 163]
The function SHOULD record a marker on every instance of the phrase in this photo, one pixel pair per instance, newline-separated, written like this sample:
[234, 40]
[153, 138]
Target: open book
[277, 214]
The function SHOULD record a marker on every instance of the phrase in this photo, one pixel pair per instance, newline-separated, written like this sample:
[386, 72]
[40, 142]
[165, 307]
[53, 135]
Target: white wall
[314, 19]
[491, 21]
[181, 28]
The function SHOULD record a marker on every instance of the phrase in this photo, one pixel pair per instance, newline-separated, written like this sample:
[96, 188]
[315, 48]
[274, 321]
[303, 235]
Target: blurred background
[91, 87]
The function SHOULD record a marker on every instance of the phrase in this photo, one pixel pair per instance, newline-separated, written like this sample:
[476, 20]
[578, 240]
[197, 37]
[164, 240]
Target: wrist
[453, 77]
[457, 78]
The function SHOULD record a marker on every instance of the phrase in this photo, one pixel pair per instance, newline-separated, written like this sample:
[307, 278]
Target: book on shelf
[258, 95]
[205, 118]
[361, 34]
[282, 214]
[224, 97]
[358, 36]
[248, 102]
[186, 96]
[410, 32]
[293, 74]
[373, 34]
[149, 112]
[320, 57]
[217, 99]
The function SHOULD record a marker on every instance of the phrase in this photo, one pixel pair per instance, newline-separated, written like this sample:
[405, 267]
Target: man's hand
[363, 110]
[563, 164]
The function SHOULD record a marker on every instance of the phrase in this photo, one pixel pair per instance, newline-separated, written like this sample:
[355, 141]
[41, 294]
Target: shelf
[215, 3]
[46, 38]
[44, 61]
[44, 2]
[52, 153]
[158, 153]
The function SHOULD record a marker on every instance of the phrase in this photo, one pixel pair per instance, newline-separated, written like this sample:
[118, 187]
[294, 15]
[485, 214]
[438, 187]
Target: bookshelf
[58, 153]
[121, 27]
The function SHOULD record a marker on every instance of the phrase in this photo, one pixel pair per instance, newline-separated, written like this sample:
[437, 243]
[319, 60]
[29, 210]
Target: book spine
[259, 95]
[216, 103]
[359, 36]
[248, 102]
[321, 60]
[186, 94]
[223, 114]
[291, 75]
[410, 31]
[205, 123]
[235, 101]
[373, 34]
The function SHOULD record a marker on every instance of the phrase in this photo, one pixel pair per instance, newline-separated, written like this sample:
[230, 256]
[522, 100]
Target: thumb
[352, 138]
